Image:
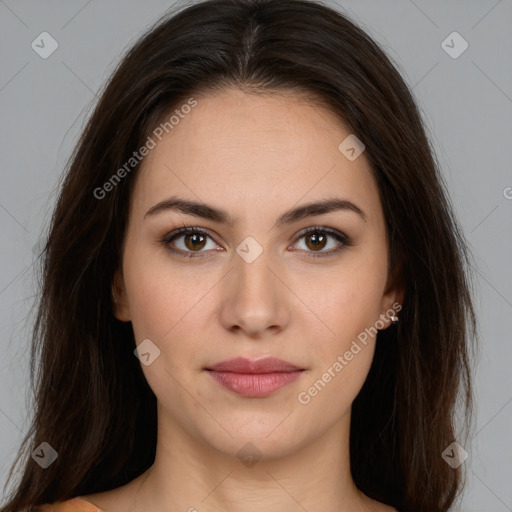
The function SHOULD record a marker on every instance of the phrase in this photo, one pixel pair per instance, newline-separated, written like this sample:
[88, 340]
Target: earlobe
[391, 305]
[118, 294]
[392, 300]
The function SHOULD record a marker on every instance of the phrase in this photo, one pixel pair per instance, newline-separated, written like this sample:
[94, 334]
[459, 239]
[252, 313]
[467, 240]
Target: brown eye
[194, 241]
[316, 240]
[189, 242]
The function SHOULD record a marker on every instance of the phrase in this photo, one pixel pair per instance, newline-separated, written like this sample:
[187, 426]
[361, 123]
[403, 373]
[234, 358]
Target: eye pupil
[317, 240]
[195, 239]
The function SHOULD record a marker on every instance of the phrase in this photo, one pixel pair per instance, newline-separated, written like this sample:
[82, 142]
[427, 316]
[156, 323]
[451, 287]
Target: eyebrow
[220, 216]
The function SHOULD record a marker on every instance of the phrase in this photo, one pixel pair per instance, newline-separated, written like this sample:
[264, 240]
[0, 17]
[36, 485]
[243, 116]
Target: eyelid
[343, 239]
[169, 237]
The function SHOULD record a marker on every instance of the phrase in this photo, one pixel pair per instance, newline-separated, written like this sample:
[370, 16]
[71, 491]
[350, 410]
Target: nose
[254, 297]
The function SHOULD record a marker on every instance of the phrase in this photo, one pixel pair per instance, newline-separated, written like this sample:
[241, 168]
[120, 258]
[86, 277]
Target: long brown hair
[92, 403]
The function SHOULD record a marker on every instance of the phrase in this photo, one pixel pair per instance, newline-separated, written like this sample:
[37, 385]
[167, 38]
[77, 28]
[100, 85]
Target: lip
[254, 378]
[264, 365]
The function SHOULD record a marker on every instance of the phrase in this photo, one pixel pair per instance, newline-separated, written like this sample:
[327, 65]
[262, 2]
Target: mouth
[254, 378]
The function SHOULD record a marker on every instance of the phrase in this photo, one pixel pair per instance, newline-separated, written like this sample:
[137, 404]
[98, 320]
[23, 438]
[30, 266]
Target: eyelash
[340, 237]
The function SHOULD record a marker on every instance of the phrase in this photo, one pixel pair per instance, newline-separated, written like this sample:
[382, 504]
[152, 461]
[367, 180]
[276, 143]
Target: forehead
[251, 150]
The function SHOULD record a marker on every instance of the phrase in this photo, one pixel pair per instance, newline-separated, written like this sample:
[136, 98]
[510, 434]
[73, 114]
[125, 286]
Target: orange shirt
[73, 505]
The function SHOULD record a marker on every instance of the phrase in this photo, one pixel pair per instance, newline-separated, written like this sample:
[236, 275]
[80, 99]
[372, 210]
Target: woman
[255, 293]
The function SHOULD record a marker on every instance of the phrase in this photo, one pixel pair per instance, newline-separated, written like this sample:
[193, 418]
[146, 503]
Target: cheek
[344, 353]
[164, 309]
[329, 393]
[160, 297]
[343, 301]
[346, 304]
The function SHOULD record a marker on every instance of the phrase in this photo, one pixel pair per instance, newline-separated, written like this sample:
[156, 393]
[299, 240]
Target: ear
[119, 298]
[393, 297]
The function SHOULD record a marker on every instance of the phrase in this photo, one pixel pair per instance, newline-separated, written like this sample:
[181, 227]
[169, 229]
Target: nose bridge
[253, 275]
[255, 298]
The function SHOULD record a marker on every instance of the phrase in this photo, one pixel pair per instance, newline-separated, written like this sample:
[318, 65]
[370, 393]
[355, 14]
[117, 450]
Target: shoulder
[72, 505]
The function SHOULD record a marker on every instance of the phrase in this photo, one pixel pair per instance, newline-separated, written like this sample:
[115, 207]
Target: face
[252, 280]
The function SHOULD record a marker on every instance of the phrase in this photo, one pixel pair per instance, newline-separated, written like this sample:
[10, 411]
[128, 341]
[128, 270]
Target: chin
[252, 442]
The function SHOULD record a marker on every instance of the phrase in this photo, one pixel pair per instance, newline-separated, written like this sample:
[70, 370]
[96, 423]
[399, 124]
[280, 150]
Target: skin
[255, 156]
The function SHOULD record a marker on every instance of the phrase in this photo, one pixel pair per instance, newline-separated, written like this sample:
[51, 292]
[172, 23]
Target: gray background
[467, 106]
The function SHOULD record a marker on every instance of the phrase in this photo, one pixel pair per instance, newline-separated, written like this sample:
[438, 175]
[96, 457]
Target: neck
[188, 475]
